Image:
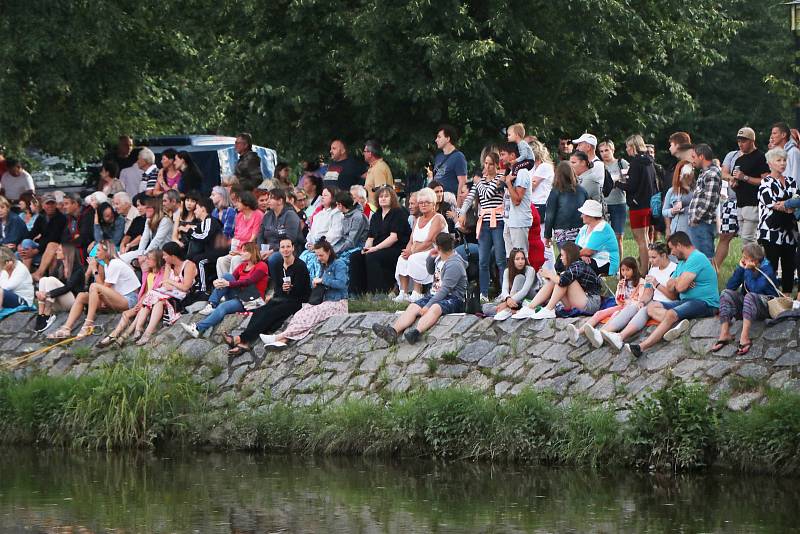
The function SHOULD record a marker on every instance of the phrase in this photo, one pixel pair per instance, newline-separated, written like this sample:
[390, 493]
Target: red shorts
[639, 218]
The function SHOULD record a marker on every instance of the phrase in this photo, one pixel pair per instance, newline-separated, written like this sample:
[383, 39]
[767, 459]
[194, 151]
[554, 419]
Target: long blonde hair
[155, 203]
[540, 152]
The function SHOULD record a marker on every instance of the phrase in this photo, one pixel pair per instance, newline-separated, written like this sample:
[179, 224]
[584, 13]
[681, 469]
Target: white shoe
[677, 331]
[191, 329]
[593, 335]
[523, 313]
[207, 310]
[573, 332]
[544, 313]
[401, 297]
[268, 338]
[503, 315]
[613, 338]
[276, 344]
[414, 296]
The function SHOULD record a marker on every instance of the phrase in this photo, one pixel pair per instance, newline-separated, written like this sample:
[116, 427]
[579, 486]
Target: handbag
[777, 305]
[250, 298]
[317, 295]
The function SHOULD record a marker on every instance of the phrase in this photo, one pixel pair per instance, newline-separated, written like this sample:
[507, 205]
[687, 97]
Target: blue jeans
[617, 213]
[702, 237]
[221, 309]
[490, 238]
[690, 308]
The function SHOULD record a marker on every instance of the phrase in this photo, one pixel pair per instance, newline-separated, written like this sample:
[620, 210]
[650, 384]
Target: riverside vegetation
[148, 403]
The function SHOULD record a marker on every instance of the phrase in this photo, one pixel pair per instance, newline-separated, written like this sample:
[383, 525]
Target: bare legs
[642, 241]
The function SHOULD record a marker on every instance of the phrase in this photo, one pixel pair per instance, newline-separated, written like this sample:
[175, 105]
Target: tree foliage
[299, 72]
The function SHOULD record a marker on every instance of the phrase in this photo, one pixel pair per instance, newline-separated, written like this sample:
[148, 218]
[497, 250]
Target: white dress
[415, 265]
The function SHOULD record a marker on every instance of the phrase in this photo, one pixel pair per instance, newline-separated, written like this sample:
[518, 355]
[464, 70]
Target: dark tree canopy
[297, 73]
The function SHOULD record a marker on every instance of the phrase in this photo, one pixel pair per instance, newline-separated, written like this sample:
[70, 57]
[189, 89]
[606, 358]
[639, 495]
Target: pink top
[244, 229]
[172, 183]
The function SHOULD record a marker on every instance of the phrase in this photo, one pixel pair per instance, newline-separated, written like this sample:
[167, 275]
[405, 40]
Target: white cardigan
[328, 223]
[20, 282]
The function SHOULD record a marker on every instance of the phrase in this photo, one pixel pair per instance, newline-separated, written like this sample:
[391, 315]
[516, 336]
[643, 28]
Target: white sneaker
[268, 338]
[191, 329]
[524, 313]
[207, 310]
[503, 315]
[677, 331]
[593, 335]
[276, 344]
[544, 313]
[613, 338]
[401, 297]
[573, 332]
[414, 296]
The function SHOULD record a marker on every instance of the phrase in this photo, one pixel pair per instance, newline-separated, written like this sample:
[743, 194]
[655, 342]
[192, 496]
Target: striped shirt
[770, 192]
[489, 193]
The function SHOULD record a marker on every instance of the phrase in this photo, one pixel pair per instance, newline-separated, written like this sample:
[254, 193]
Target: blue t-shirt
[447, 168]
[705, 281]
[603, 240]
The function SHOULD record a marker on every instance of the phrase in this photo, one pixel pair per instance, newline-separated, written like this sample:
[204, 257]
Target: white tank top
[420, 234]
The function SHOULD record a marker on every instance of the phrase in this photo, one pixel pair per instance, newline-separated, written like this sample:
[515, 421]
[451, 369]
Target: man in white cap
[592, 180]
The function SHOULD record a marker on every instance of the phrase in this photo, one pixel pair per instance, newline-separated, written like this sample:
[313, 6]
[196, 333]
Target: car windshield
[55, 171]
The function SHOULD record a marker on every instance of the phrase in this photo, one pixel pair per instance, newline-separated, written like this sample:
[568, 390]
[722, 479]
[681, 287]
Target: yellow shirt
[378, 174]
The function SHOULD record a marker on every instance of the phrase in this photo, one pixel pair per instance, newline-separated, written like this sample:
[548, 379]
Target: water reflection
[57, 491]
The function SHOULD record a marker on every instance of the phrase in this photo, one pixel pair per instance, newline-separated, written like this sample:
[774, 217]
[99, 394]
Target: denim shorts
[132, 298]
[690, 309]
[450, 304]
[617, 213]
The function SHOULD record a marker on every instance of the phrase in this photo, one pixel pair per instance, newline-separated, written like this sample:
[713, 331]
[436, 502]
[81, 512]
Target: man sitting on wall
[447, 295]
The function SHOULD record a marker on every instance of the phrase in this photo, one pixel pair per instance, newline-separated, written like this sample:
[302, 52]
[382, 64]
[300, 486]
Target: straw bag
[779, 304]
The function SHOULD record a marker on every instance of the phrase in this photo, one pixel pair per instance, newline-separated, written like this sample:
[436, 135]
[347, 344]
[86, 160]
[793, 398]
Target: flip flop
[719, 344]
[238, 350]
[744, 348]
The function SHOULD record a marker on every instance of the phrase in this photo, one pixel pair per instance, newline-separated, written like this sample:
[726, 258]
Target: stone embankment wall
[344, 359]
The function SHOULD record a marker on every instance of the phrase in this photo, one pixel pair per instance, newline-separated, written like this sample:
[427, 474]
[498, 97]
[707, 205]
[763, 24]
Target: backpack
[472, 299]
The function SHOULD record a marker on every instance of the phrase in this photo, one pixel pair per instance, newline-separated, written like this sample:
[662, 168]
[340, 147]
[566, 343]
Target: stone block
[773, 353]
[705, 328]
[621, 362]
[333, 324]
[655, 383]
[783, 331]
[743, 401]
[512, 367]
[583, 382]
[79, 370]
[305, 399]
[339, 380]
[557, 352]
[418, 368]
[9, 345]
[406, 353]
[195, 349]
[339, 367]
[103, 360]
[687, 368]
[603, 389]
[308, 366]
[752, 370]
[559, 368]
[440, 348]
[464, 324]
[537, 348]
[494, 357]
[16, 323]
[361, 381]
[61, 366]
[597, 359]
[475, 351]
[257, 378]
[501, 387]
[400, 384]
[281, 388]
[373, 361]
[477, 380]
[789, 359]
[439, 383]
[661, 358]
[720, 369]
[538, 370]
[778, 379]
[452, 371]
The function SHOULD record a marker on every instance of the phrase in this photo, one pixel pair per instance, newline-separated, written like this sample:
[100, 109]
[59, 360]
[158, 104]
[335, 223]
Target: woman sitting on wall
[745, 297]
[519, 282]
[65, 278]
[328, 298]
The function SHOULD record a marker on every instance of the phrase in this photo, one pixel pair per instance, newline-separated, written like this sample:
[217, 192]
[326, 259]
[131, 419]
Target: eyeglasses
[423, 202]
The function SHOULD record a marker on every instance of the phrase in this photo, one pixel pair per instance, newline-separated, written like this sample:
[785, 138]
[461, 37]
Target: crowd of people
[529, 235]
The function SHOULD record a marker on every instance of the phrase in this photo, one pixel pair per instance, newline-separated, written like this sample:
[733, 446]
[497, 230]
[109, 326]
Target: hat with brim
[48, 197]
[586, 138]
[592, 208]
[746, 133]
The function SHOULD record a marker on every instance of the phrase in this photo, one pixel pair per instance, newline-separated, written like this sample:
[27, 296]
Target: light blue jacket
[336, 280]
[680, 221]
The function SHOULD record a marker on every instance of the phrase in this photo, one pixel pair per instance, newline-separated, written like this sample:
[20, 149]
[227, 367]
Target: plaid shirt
[705, 199]
[582, 272]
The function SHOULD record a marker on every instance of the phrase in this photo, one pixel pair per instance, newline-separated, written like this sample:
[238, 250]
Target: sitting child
[447, 294]
[629, 291]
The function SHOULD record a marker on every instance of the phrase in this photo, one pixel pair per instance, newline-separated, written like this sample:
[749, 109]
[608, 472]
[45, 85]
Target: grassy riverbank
[142, 404]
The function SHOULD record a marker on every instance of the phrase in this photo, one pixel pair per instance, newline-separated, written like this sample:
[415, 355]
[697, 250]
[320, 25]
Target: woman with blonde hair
[638, 187]
[57, 291]
[157, 230]
[412, 263]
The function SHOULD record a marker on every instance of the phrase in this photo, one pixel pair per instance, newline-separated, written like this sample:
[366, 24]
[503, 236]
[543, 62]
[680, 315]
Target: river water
[69, 492]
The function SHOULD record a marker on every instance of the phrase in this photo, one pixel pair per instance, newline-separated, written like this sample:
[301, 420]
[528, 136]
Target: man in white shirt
[122, 204]
[131, 178]
[15, 181]
[781, 137]
[592, 180]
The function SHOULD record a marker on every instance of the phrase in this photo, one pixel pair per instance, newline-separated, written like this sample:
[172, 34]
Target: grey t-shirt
[617, 195]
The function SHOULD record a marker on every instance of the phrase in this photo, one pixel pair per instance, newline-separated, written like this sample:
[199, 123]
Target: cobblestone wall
[344, 359]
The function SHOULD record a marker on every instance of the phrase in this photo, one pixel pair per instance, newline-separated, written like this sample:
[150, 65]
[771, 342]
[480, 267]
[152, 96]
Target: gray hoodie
[453, 278]
[355, 228]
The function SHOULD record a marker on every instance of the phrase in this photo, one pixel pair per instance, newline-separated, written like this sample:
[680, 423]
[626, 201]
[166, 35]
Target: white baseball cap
[592, 208]
[586, 138]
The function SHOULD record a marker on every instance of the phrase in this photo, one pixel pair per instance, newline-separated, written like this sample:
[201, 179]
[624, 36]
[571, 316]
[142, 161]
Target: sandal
[108, 340]
[744, 348]
[86, 330]
[144, 339]
[719, 344]
[240, 349]
[61, 333]
[229, 339]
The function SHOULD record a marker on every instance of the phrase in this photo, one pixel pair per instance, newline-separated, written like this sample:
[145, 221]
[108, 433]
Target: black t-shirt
[753, 164]
[345, 173]
[137, 227]
[49, 229]
[395, 221]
